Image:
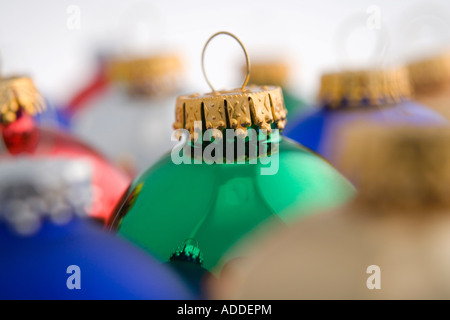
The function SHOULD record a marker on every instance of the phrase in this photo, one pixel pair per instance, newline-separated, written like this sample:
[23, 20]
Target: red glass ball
[24, 138]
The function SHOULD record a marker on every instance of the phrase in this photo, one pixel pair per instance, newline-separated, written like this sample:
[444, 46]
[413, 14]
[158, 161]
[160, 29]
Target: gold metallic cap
[398, 166]
[275, 73]
[430, 75]
[361, 88]
[16, 94]
[233, 109]
[238, 109]
[155, 75]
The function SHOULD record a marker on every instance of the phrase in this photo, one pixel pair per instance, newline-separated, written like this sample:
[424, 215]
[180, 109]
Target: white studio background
[56, 41]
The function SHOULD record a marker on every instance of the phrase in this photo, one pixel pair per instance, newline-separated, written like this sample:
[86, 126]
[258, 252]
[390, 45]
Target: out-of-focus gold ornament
[371, 87]
[430, 79]
[271, 72]
[154, 75]
[399, 168]
[392, 242]
[16, 94]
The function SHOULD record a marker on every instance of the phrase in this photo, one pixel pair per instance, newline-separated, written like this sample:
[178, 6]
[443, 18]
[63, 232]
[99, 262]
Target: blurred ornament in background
[211, 199]
[129, 120]
[17, 58]
[95, 87]
[276, 73]
[364, 90]
[394, 236]
[23, 138]
[52, 117]
[377, 96]
[45, 239]
[430, 79]
[149, 76]
[126, 110]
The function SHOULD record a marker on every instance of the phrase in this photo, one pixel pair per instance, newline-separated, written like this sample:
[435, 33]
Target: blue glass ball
[36, 267]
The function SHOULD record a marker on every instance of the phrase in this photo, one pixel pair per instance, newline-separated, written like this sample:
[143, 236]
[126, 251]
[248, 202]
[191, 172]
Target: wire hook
[247, 60]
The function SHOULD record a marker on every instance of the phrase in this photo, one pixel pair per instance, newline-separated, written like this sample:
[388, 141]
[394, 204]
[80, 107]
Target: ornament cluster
[136, 188]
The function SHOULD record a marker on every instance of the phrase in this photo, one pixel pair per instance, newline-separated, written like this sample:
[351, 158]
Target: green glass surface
[218, 204]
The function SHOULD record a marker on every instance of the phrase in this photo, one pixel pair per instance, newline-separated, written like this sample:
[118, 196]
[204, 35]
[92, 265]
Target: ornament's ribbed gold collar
[153, 75]
[238, 109]
[430, 75]
[233, 109]
[18, 93]
[368, 87]
[273, 72]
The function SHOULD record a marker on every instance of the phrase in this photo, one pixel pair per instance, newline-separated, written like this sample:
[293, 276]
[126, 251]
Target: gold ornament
[430, 75]
[274, 73]
[404, 168]
[430, 79]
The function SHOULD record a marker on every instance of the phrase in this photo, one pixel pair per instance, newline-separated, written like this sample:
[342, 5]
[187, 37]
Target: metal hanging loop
[247, 60]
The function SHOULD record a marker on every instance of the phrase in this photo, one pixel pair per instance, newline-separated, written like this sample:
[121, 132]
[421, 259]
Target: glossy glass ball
[36, 267]
[217, 205]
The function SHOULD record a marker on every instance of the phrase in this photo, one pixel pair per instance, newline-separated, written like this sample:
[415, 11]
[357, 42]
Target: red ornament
[23, 138]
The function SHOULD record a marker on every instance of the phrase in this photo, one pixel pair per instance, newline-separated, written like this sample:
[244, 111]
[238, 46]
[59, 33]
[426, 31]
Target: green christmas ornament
[230, 172]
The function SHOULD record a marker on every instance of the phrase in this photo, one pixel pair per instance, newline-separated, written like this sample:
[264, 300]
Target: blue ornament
[47, 251]
[321, 128]
[39, 267]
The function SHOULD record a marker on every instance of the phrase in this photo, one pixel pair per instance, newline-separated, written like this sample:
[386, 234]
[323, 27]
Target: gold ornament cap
[153, 75]
[430, 75]
[364, 88]
[398, 166]
[238, 109]
[19, 94]
[233, 109]
[270, 72]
